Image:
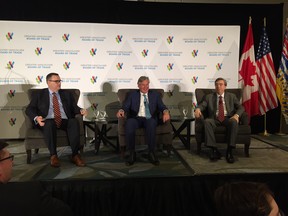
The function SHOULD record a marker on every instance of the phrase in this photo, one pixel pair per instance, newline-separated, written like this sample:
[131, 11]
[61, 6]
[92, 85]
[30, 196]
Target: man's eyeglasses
[56, 81]
[11, 157]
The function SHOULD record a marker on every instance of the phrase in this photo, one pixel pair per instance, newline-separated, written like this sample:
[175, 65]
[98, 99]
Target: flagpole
[265, 133]
[280, 133]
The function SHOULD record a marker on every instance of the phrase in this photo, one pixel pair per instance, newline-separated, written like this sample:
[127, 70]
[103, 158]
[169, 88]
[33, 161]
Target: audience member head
[143, 84]
[6, 163]
[245, 198]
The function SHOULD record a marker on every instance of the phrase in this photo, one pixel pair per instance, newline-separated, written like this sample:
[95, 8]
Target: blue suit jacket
[131, 104]
[39, 104]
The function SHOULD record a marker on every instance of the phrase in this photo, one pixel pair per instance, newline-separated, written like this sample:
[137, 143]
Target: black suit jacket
[39, 104]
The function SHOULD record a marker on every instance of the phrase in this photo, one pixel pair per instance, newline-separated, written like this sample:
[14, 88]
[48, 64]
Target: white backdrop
[88, 55]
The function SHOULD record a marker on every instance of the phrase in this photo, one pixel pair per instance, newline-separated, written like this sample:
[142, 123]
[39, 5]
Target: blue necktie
[147, 111]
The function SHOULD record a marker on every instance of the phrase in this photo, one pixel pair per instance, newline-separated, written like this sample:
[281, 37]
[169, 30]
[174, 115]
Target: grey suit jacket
[232, 103]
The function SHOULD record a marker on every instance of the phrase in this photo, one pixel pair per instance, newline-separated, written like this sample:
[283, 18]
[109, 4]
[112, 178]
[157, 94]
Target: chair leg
[246, 149]
[168, 148]
[198, 148]
[29, 155]
[122, 151]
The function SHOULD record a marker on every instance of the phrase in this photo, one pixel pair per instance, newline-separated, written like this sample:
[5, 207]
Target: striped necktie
[56, 108]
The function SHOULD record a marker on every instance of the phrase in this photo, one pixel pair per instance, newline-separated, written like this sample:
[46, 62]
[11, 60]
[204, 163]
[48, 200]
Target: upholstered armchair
[164, 132]
[244, 132]
[34, 138]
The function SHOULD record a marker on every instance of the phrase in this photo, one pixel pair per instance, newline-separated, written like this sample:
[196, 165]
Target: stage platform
[183, 184]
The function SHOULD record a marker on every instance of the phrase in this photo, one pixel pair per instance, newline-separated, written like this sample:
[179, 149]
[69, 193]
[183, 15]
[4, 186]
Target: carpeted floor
[106, 164]
[267, 155]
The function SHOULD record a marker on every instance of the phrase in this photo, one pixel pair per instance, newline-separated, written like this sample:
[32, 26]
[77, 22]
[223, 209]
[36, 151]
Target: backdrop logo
[65, 37]
[119, 66]
[170, 93]
[11, 93]
[12, 121]
[170, 66]
[93, 79]
[219, 39]
[194, 80]
[194, 53]
[94, 106]
[119, 38]
[66, 65]
[93, 51]
[145, 53]
[10, 65]
[39, 79]
[9, 36]
[170, 39]
[219, 66]
[38, 51]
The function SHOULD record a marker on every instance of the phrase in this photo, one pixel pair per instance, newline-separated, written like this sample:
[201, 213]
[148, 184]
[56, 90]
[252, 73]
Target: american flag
[266, 74]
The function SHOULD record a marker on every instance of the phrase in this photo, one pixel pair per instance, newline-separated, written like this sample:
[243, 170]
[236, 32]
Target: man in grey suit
[232, 111]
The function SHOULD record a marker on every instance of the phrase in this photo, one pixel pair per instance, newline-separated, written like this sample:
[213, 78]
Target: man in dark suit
[232, 111]
[41, 112]
[139, 117]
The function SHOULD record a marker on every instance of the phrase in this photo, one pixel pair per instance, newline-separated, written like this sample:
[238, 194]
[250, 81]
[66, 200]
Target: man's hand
[120, 114]
[83, 112]
[166, 115]
[236, 117]
[197, 113]
[40, 120]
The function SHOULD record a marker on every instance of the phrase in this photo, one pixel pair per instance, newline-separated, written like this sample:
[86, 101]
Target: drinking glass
[96, 114]
[103, 114]
[185, 112]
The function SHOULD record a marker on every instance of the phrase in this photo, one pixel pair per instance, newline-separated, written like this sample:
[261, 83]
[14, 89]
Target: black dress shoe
[215, 154]
[131, 159]
[153, 158]
[229, 157]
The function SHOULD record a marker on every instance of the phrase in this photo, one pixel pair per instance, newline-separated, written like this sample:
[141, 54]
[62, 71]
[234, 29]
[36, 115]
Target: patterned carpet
[106, 164]
[267, 155]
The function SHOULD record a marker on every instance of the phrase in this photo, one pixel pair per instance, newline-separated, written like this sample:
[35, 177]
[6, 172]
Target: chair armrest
[199, 124]
[244, 119]
[28, 122]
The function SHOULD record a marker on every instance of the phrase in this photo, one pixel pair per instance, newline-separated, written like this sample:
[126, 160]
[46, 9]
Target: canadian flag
[248, 78]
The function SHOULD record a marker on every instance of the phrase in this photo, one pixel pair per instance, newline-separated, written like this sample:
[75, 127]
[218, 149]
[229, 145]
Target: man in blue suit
[139, 117]
[231, 113]
[41, 112]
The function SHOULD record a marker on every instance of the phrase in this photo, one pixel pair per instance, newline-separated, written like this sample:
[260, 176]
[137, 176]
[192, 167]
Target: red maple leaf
[247, 71]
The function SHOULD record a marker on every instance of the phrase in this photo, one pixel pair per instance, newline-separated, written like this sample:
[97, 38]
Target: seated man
[56, 108]
[224, 109]
[142, 108]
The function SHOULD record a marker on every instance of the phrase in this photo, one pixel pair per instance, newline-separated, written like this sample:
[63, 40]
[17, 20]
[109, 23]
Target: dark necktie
[221, 110]
[146, 104]
[57, 114]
